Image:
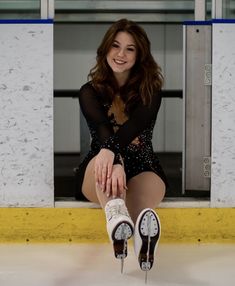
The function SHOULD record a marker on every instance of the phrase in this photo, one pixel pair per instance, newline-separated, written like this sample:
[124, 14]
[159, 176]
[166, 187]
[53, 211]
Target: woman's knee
[146, 188]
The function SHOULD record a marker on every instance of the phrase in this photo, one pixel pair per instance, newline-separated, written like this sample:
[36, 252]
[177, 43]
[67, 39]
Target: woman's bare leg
[119, 224]
[89, 189]
[146, 190]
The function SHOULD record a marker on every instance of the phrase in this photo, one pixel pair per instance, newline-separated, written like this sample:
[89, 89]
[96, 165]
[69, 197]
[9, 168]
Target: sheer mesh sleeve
[96, 117]
[94, 112]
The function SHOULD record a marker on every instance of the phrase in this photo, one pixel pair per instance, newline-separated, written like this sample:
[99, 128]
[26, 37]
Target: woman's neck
[121, 78]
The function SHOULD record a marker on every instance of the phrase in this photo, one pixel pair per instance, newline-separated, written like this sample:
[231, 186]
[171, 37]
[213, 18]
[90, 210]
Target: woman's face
[122, 54]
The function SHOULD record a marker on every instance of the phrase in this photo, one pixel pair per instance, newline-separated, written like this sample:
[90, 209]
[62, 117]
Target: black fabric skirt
[133, 167]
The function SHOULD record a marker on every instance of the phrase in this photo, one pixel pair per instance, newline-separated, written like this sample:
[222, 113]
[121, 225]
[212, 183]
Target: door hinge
[208, 74]
[207, 167]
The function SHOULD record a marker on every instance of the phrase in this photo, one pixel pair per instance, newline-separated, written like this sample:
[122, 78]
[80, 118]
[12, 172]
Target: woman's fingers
[98, 172]
[110, 179]
[103, 177]
[118, 182]
[114, 187]
[103, 167]
[108, 187]
[109, 170]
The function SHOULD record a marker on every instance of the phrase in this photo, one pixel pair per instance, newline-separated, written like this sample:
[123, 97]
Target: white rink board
[223, 116]
[26, 115]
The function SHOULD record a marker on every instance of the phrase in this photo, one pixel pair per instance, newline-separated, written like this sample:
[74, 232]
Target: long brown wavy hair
[145, 79]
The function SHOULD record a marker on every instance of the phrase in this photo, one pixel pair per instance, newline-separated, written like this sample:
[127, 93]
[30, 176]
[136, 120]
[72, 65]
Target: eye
[115, 45]
[131, 49]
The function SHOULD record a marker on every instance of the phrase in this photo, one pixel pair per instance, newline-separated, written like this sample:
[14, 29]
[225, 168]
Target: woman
[121, 171]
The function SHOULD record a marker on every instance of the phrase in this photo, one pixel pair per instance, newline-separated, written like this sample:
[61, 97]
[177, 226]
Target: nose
[121, 53]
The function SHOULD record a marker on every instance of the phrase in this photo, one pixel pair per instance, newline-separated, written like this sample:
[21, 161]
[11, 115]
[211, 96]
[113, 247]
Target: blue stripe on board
[26, 21]
[223, 21]
[209, 22]
[195, 23]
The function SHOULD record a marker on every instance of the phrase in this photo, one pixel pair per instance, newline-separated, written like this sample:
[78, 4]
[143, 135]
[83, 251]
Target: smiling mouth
[119, 62]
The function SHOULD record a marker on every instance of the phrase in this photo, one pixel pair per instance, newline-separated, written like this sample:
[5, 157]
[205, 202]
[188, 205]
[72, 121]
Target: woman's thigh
[146, 190]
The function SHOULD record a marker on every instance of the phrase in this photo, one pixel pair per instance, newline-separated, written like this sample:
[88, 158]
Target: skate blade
[146, 277]
[122, 265]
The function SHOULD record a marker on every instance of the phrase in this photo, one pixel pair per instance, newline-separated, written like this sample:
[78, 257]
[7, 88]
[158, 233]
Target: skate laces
[116, 210]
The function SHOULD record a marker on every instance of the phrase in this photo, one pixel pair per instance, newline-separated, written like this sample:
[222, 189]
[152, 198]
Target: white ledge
[167, 203]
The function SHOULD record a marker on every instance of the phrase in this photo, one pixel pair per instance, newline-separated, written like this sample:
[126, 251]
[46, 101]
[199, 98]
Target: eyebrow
[130, 45]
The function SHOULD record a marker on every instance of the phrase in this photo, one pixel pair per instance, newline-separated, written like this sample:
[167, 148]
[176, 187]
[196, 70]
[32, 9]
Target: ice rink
[94, 264]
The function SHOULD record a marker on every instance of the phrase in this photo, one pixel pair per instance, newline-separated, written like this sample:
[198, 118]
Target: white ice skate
[146, 237]
[119, 227]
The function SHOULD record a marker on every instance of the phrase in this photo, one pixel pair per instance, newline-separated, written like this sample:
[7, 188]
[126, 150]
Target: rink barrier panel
[86, 225]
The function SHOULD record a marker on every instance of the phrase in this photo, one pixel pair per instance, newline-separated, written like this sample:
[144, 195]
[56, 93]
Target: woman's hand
[103, 167]
[116, 184]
